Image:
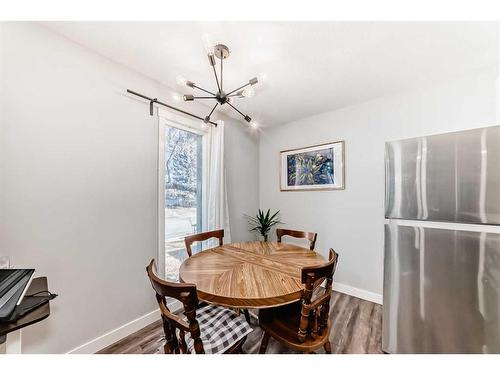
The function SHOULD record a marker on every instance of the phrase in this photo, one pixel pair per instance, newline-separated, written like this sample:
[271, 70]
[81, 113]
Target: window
[180, 190]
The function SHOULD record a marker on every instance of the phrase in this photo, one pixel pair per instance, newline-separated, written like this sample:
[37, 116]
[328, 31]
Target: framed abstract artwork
[319, 167]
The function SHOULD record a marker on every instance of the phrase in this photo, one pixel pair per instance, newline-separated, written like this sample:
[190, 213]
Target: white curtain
[215, 216]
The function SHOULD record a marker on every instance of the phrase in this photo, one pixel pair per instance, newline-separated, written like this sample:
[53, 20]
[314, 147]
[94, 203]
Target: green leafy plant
[262, 223]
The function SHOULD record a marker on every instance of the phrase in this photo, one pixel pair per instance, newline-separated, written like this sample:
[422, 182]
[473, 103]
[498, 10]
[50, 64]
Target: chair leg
[238, 347]
[247, 316]
[263, 344]
[328, 347]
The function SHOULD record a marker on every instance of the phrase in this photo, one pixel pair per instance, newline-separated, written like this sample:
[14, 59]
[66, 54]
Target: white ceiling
[311, 67]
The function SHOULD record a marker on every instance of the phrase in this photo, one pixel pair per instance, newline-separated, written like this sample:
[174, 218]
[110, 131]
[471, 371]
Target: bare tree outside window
[182, 194]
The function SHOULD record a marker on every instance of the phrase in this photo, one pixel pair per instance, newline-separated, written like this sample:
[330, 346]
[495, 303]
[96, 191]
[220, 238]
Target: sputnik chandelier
[221, 97]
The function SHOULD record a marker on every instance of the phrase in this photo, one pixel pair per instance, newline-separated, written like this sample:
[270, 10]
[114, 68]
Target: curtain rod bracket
[151, 107]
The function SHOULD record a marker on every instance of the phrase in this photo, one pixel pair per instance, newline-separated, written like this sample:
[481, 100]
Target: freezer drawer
[448, 177]
[441, 290]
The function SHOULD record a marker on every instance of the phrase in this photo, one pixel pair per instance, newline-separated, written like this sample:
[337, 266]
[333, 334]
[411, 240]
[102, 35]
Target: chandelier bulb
[208, 44]
[248, 92]
[181, 80]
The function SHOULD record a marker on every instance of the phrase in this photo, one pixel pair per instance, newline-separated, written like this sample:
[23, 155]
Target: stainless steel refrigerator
[442, 244]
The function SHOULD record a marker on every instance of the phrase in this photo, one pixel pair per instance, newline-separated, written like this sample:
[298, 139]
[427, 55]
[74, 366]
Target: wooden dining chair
[210, 329]
[311, 236]
[203, 236]
[304, 325]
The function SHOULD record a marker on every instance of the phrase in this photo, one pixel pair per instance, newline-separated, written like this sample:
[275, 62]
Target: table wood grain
[249, 274]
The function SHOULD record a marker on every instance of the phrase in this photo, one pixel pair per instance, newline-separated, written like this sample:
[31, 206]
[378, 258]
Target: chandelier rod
[216, 79]
[221, 65]
[153, 101]
[199, 88]
[239, 88]
[213, 109]
[237, 110]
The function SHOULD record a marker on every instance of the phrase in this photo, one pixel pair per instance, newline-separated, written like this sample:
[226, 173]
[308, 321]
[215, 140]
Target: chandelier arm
[213, 109]
[239, 88]
[204, 97]
[237, 110]
[216, 79]
[221, 67]
[202, 89]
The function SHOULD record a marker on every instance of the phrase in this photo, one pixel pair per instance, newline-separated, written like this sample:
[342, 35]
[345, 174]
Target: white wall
[242, 166]
[78, 182]
[351, 221]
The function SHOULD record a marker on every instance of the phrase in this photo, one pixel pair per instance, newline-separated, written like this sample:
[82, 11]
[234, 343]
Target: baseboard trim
[93, 346]
[356, 292]
[99, 343]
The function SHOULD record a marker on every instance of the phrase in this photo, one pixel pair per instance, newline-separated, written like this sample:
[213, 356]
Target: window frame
[166, 118]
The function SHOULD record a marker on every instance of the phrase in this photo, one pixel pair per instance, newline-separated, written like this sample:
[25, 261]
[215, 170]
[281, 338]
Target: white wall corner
[359, 293]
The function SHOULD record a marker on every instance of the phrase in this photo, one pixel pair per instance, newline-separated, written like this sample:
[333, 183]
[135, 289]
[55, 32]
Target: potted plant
[262, 223]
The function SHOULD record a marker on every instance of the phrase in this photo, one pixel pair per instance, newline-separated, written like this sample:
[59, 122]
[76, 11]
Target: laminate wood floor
[356, 329]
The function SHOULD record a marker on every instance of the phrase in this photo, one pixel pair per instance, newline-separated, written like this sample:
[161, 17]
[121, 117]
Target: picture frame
[317, 167]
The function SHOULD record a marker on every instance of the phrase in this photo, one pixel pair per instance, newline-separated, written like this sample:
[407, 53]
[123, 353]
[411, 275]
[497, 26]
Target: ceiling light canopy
[221, 52]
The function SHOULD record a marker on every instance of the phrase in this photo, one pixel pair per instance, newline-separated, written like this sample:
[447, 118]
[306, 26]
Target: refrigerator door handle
[387, 203]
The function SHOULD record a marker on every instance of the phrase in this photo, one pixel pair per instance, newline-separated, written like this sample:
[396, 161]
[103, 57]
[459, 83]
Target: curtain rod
[152, 101]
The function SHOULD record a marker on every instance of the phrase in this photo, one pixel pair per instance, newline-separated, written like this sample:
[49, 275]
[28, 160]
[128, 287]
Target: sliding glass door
[182, 191]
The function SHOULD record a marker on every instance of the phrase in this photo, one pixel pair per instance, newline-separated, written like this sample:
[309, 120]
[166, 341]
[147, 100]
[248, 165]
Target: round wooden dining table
[249, 274]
